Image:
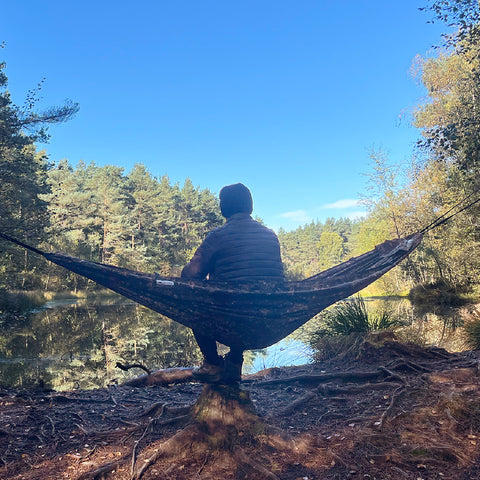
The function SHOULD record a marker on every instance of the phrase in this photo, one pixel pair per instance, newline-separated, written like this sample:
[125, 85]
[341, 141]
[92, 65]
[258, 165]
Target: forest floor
[384, 411]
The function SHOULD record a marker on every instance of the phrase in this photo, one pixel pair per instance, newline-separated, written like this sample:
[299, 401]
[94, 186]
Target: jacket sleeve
[201, 263]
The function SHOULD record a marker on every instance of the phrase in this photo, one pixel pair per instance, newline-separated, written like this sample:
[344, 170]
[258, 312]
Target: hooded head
[234, 199]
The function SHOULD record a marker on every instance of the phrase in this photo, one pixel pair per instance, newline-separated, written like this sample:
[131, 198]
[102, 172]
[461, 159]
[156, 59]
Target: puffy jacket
[240, 250]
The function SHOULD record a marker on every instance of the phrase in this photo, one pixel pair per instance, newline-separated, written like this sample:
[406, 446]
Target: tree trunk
[227, 417]
[224, 426]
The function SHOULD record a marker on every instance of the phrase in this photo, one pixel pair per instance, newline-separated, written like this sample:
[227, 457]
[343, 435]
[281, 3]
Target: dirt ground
[385, 411]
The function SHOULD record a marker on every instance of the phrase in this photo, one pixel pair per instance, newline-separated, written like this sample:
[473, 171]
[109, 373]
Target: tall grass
[351, 316]
[344, 326]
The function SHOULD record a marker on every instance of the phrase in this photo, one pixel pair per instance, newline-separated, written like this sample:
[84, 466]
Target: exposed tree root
[223, 418]
[247, 463]
[354, 376]
[395, 396]
[181, 416]
[407, 366]
[100, 472]
[160, 409]
[410, 418]
[392, 374]
[299, 402]
[329, 390]
[414, 350]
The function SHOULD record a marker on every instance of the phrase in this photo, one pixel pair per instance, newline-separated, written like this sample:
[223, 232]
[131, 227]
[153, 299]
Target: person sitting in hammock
[242, 250]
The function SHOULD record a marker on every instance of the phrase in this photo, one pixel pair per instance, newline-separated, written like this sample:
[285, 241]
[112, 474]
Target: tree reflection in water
[78, 345]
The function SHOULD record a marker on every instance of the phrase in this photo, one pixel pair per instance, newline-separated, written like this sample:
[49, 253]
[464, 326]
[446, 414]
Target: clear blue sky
[286, 97]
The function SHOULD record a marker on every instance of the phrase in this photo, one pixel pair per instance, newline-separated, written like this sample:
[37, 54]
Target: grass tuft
[344, 325]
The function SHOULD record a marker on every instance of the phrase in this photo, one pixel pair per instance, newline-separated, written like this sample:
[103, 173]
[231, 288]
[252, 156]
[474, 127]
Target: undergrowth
[472, 330]
[345, 325]
[20, 302]
[352, 316]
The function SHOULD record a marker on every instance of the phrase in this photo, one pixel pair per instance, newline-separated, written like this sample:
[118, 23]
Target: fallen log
[162, 377]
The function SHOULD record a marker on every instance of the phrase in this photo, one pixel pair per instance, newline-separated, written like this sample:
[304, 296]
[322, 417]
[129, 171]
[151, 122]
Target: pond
[71, 343]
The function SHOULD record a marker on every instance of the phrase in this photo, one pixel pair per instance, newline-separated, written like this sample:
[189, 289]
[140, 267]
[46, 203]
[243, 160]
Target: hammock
[243, 315]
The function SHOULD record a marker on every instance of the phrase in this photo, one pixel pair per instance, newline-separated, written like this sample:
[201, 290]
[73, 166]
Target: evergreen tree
[22, 176]
[143, 193]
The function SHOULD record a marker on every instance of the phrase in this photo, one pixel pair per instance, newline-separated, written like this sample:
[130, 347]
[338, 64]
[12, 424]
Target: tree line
[139, 221]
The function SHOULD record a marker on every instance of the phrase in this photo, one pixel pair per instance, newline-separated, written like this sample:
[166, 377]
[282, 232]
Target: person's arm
[200, 264]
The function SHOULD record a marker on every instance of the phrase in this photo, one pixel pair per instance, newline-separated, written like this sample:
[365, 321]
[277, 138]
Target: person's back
[242, 250]
[246, 251]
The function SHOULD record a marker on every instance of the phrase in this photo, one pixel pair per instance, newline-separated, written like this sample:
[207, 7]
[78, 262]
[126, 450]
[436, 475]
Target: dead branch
[126, 367]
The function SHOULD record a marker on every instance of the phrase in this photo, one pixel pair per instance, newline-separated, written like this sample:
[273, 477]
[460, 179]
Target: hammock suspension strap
[442, 219]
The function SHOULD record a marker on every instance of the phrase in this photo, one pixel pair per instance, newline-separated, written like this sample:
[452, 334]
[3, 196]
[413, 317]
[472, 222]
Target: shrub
[430, 296]
[327, 347]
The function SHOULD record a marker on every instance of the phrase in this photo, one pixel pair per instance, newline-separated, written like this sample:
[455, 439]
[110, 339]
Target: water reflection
[437, 325]
[290, 351]
[72, 344]
[76, 344]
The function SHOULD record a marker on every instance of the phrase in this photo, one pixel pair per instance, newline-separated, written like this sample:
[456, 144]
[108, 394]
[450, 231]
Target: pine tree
[23, 177]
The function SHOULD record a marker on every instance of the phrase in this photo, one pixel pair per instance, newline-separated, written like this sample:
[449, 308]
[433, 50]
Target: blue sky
[286, 97]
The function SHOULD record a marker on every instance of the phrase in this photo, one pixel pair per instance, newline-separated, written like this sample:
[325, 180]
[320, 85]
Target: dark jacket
[240, 250]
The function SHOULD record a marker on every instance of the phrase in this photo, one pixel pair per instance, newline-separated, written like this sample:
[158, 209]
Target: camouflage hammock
[248, 316]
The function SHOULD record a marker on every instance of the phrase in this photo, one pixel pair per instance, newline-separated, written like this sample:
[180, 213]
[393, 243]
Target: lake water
[70, 343]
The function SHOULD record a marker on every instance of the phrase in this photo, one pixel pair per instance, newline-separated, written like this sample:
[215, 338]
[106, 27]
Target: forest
[370, 405]
[134, 219]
